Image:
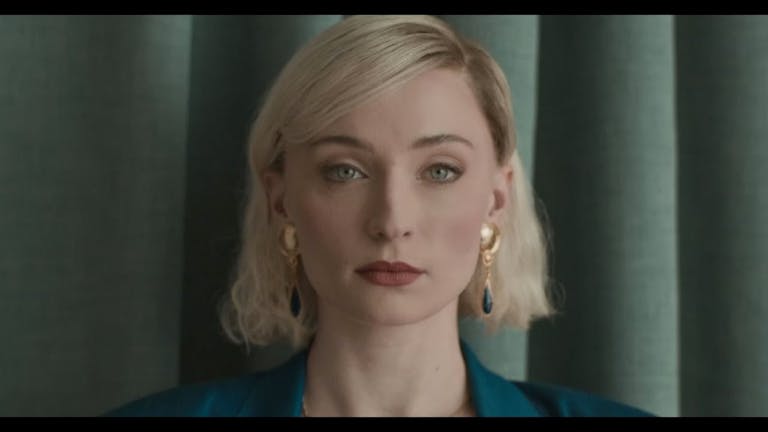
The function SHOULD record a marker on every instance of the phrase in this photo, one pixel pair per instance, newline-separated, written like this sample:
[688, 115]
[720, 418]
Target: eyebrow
[423, 142]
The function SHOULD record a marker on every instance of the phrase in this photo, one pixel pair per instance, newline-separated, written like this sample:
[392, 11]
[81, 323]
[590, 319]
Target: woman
[387, 200]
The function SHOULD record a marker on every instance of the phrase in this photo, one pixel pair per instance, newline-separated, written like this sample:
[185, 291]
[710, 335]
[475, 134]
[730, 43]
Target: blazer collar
[282, 390]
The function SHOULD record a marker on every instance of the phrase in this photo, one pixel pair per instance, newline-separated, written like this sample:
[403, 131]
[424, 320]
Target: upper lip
[396, 266]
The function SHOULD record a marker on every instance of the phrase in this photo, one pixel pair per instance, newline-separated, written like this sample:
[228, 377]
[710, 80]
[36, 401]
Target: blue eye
[341, 173]
[443, 173]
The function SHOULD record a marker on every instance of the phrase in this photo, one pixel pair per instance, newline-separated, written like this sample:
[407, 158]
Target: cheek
[325, 225]
[462, 233]
[462, 225]
[317, 222]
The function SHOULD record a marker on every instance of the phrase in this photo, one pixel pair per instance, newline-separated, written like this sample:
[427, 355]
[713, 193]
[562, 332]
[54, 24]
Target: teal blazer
[279, 392]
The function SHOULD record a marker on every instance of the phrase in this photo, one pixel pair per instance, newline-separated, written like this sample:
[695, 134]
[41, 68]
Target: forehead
[438, 101]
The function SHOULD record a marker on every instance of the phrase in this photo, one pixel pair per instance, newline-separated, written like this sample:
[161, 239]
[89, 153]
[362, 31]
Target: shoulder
[224, 397]
[276, 392]
[553, 400]
[497, 396]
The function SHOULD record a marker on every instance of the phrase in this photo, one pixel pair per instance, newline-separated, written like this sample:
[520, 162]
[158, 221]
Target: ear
[499, 200]
[273, 183]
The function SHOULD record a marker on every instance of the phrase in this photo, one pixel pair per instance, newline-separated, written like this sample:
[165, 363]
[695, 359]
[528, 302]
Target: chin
[385, 313]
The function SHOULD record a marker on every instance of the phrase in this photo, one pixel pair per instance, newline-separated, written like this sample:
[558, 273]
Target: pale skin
[383, 350]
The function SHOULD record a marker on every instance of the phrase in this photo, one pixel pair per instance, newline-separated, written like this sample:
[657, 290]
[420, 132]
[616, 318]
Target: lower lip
[389, 278]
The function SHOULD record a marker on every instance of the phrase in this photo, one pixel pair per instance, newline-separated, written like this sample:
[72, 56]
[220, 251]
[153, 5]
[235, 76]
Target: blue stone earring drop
[295, 302]
[489, 244]
[487, 299]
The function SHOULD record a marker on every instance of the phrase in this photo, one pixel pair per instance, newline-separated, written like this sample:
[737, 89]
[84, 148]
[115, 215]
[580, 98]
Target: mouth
[389, 274]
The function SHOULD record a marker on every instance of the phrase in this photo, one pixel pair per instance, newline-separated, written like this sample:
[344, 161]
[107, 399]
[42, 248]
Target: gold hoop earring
[490, 240]
[289, 247]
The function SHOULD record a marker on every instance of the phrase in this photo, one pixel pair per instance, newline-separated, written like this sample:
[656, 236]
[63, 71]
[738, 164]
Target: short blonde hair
[345, 66]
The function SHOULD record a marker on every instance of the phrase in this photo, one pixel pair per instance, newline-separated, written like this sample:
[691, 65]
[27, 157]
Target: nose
[391, 209]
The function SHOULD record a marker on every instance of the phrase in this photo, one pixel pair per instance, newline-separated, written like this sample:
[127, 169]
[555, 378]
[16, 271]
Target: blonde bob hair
[347, 65]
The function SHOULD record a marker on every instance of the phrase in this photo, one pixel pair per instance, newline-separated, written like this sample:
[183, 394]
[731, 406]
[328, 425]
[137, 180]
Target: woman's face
[380, 184]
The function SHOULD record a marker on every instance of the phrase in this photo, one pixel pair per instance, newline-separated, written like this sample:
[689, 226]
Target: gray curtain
[122, 176]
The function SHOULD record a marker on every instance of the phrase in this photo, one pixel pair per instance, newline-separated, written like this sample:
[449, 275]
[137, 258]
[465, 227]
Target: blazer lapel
[493, 395]
[279, 392]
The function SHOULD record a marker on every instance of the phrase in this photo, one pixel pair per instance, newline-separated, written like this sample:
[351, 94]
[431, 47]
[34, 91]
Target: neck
[358, 369]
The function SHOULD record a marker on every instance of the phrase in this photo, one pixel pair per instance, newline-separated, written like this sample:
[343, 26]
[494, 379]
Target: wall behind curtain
[122, 169]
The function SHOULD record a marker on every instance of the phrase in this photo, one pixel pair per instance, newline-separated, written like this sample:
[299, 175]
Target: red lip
[389, 274]
[384, 266]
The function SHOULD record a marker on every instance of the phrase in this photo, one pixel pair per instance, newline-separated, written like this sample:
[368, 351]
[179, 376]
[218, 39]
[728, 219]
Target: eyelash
[329, 170]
